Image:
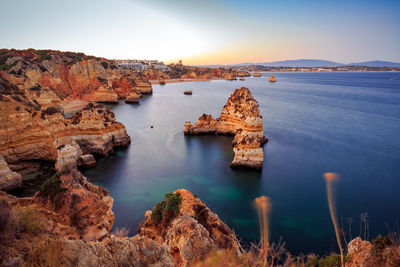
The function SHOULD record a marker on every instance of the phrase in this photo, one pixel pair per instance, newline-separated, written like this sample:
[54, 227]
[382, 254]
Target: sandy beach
[74, 105]
[183, 80]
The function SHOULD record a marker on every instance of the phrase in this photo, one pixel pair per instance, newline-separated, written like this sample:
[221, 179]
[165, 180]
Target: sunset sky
[207, 32]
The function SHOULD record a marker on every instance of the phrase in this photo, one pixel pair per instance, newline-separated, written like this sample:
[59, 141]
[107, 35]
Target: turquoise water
[347, 123]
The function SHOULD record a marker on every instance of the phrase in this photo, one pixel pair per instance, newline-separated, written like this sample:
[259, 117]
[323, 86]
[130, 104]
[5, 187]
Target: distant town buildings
[140, 65]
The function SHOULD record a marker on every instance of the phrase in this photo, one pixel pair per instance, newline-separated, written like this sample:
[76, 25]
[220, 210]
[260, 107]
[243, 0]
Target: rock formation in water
[239, 117]
[188, 92]
[133, 98]
[52, 76]
[272, 79]
[194, 232]
[243, 74]
[256, 74]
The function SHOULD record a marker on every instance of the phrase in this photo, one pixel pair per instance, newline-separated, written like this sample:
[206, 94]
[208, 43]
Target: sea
[347, 123]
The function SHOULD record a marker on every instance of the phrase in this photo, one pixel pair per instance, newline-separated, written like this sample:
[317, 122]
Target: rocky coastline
[67, 221]
[51, 77]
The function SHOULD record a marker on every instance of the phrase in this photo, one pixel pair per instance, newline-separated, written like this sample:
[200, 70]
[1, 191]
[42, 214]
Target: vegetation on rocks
[42, 55]
[167, 209]
[52, 186]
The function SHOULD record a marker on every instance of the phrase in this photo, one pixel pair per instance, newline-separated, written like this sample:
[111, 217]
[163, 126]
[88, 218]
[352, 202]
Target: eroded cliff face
[54, 75]
[239, 117]
[29, 132]
[194, 232]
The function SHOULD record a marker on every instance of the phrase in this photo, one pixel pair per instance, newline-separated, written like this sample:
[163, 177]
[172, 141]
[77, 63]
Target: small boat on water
[272, 79]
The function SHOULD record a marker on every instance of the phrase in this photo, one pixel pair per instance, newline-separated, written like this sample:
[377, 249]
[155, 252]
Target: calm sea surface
[347, 123]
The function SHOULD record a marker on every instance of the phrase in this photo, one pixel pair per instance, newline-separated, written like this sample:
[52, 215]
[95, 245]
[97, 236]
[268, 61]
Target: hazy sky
[205, 31]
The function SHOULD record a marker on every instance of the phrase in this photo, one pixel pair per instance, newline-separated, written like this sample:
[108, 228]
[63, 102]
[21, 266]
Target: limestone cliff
[54, 75]
[194, 232]
[239, 117]
[28, 132]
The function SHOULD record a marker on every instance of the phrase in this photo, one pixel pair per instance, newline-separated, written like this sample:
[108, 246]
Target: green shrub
[52, 186]
[327, 261]
[166, 209]
[379, 244]
[42, 55]
[7, 66]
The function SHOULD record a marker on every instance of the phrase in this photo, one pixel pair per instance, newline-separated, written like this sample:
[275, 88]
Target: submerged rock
[239, 117]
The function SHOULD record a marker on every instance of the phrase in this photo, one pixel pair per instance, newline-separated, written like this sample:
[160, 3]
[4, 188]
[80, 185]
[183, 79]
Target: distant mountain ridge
[302, 63]
[376, 63]
[313, 63]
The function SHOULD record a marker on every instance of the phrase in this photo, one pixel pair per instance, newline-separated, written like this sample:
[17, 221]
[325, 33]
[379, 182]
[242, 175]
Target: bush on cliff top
[42, 55]
[52, 186]
[167, 209]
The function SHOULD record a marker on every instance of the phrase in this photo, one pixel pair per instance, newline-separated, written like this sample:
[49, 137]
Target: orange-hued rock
[243, 74]
[239, 117]
[272, 79]
[229, 76]
[28, 132]
[8, 179]
[256, 74]
[54, 75]
[133, 98]
[194, 232]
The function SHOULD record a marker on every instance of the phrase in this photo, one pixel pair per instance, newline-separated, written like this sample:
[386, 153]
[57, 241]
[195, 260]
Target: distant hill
[313, 63]
[376, 63]
[301, 63]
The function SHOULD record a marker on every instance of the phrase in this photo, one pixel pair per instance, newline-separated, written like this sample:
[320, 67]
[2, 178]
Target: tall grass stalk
[330, 179]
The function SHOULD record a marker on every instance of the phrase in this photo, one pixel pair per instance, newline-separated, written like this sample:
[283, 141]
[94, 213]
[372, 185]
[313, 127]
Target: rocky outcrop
[50, 76]
[113, 251]
[272, 79]
[256, 74]
[133, 98]
[193, 233]
[8, 179]
[28, 132]
[243, 74]
[239, 117]
[86, 161]
[381, 252]
[76, 233]
[188, 92]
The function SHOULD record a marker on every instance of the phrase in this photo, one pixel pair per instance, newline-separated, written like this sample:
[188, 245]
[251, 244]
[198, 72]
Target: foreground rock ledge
[193, 233]
[239, 117]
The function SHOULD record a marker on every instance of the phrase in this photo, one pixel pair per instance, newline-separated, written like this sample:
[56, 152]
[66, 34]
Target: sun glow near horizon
[208, 32]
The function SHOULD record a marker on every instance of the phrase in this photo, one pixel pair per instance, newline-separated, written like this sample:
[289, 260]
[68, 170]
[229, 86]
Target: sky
[205, 32]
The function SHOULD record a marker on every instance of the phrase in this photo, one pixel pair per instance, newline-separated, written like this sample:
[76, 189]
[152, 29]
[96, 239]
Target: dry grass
[121, 232]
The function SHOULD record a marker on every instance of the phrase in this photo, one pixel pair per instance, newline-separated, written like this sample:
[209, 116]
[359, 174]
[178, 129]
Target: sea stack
[241, 118]
[272, 79]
